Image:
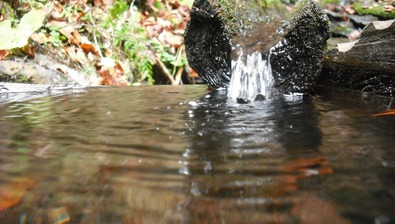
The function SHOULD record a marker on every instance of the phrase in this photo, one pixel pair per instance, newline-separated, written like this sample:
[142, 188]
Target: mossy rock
[375, 10]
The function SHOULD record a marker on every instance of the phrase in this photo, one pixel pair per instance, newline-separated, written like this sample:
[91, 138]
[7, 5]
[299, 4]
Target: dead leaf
[57, 11]
[385, 113]
[89, 48]
[4, 54]
[29, 50]
[308, 167]
[77, 55]
[113, 76]
[12, 193]
[193, 73]
[171, 39]
[39, 38]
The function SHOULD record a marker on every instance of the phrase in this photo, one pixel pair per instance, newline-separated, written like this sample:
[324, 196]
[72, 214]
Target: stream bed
[181, 154]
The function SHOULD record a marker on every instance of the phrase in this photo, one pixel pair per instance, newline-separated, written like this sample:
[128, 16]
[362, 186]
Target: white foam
[251, 77]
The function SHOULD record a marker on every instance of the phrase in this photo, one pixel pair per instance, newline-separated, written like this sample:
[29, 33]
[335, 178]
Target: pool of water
[166, 154]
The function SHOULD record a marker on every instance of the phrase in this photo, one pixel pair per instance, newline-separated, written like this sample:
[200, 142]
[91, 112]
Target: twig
[166, 71]
[178, 75]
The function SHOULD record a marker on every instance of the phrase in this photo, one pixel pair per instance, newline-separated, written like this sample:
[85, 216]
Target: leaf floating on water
[385, 113]
[12, 193]
[308, 166]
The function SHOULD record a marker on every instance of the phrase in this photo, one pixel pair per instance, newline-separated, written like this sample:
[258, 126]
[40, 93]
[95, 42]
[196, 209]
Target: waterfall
[252, 78]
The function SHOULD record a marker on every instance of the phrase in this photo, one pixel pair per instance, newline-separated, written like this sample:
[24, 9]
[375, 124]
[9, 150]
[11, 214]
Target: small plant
[120, 43]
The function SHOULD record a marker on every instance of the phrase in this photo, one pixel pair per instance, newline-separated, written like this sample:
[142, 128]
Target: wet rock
[366, 64]
[41, 70]
[11, 92]
[217, 33]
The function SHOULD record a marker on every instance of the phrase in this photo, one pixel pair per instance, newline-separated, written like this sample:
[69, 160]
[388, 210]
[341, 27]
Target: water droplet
[193, 103]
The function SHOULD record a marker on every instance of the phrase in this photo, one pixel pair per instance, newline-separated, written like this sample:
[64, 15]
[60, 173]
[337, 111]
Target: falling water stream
[252, 78]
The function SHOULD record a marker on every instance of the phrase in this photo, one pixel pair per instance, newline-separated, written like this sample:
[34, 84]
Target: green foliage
[374, 10]
[131, 41]
[233, 12]
[331, 1]
[55, 37]
[87, 34]
[118, 9]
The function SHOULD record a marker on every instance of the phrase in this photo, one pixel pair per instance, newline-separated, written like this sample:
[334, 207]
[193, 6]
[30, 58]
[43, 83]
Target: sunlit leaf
[385, 113]
[107, 63]
[11, 38]
[40, 38]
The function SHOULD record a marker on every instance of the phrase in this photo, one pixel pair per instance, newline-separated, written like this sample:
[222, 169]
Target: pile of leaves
[118, 41]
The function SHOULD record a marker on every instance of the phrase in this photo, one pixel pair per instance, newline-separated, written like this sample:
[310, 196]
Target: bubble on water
[193, 103]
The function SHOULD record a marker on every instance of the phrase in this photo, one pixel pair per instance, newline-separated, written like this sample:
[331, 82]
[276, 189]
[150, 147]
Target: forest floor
[120, 42]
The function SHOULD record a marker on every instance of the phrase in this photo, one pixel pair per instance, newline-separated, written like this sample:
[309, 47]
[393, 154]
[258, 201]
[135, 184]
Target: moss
[377, 11]
[331, 1]
[6, 11]
[233, 12]
[18, 78]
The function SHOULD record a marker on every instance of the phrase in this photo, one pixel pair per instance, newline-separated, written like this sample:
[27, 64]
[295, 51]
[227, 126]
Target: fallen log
[367, 64]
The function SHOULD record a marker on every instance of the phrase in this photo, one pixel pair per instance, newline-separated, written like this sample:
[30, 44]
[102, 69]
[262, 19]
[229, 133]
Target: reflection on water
[181, 155]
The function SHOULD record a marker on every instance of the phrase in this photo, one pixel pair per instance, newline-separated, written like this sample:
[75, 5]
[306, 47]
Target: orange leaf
[4, 53]
[113, 76]
[308, 167]
[29, 50]
[89, 48]
[12, 193]
[388, 112]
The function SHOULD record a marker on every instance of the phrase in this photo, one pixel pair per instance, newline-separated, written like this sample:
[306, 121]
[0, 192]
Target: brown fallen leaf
[29, 50]
[113, 76]
[4, 54]
[385, 113]
[308, 167]
[11, 193]
[89, 48]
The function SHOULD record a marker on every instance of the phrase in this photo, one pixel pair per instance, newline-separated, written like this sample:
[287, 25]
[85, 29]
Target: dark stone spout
[208, 44]
[216, 33]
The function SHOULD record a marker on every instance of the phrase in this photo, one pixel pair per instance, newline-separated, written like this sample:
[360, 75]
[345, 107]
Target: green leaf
[18, 37]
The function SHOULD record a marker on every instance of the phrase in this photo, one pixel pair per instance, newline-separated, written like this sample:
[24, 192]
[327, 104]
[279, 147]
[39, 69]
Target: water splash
[252, 78]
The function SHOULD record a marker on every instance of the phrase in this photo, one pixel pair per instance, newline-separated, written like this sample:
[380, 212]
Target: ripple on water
[182, 155]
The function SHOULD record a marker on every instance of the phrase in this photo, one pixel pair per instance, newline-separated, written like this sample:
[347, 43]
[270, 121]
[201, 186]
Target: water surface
[165, 154]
